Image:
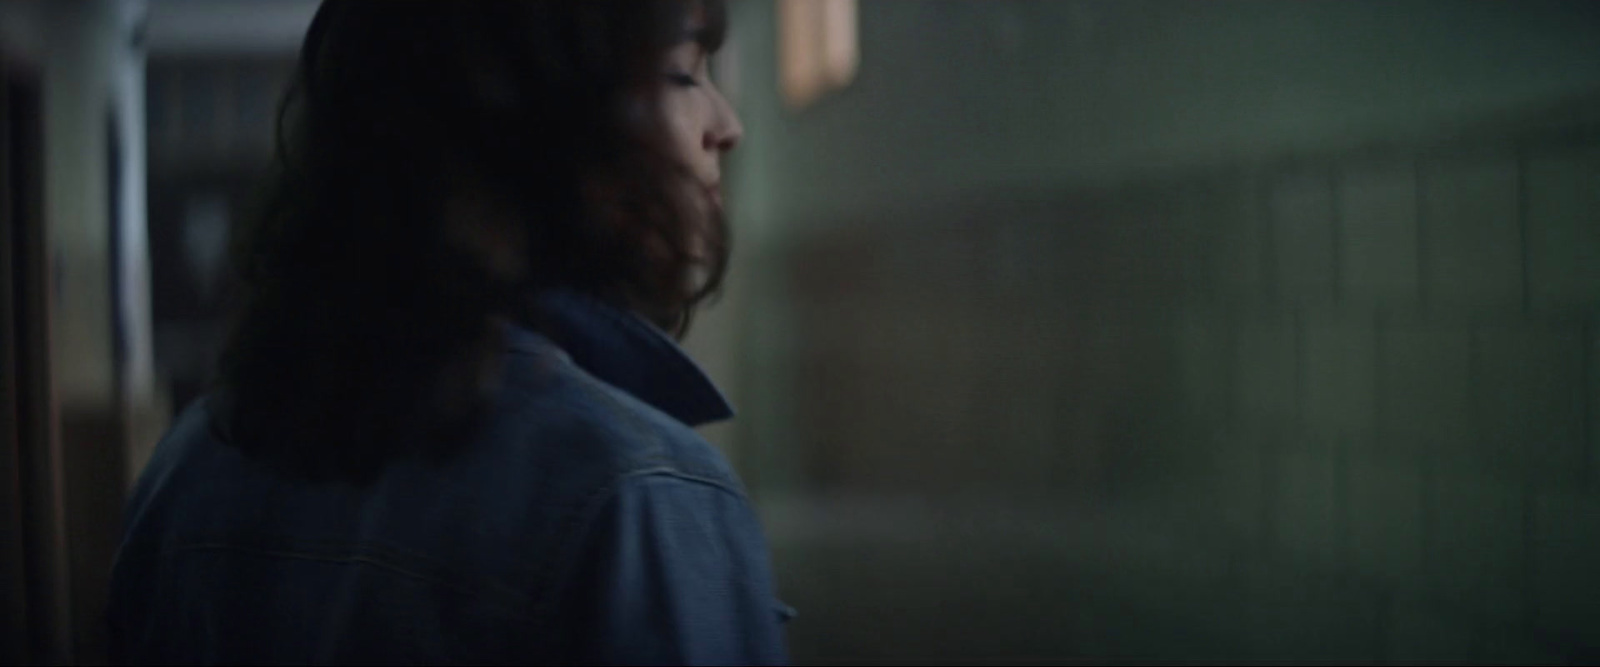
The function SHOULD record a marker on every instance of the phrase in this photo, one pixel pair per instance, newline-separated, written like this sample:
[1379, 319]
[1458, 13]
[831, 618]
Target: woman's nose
[725, 133]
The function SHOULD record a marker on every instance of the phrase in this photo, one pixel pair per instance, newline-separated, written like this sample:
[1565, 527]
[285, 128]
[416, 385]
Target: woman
[452, 424]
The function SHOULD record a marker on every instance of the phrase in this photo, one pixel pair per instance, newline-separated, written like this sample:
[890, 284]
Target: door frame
[33, 555]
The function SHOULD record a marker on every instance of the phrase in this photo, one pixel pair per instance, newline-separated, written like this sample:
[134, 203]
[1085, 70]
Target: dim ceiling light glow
[819, 49]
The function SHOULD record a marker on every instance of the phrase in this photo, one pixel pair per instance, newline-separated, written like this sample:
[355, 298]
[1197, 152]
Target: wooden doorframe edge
[42, 478]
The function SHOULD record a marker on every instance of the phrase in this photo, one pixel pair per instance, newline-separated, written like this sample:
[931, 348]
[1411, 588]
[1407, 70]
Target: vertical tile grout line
[1529, 529]
[1523, 241]
[1335, 447]
[1302, 384]
[1586, 394]
[1298, 432]
[1267, 448]
[1268, 235]
[1381, 391]
[1530, 600]
[1336, 230]
[1419, 197]
[1386, 602]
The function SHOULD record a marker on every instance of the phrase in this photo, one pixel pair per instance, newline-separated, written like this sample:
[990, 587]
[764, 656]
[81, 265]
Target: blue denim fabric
[589, 525]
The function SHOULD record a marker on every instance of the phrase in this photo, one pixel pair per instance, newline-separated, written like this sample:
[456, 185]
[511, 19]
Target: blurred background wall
[1160, 330]
[1058, 329]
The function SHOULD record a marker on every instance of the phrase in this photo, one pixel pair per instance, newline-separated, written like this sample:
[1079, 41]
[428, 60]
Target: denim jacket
[590, 524]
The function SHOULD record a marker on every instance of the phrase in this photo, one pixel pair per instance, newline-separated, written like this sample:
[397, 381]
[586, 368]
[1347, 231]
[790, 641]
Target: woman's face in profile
[700, 123]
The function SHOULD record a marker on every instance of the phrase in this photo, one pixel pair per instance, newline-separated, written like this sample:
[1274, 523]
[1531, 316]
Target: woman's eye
[681, 79]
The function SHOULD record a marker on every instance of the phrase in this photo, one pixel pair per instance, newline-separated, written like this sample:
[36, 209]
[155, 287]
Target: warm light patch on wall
[819, 49]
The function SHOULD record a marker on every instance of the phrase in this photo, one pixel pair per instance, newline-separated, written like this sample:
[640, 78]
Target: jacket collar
[626, 351]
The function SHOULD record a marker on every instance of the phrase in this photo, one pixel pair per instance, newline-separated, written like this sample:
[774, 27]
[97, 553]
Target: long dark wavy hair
[361, 330]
